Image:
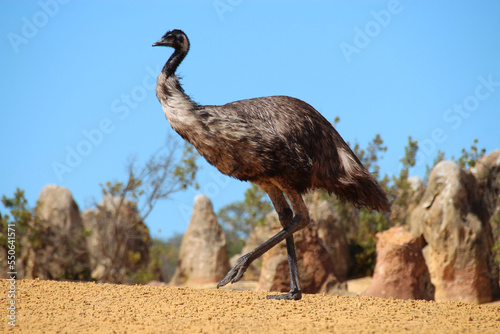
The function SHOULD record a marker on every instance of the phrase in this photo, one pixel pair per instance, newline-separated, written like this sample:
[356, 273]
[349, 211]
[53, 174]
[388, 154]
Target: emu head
[176, 39]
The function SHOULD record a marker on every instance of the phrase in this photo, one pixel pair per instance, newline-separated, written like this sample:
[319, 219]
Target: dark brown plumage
[280, 143]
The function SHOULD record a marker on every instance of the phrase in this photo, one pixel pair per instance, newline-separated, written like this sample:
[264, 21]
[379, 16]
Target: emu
[280, 143]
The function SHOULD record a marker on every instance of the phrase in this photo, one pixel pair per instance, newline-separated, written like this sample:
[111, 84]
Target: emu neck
[173, 62]
[177, 106]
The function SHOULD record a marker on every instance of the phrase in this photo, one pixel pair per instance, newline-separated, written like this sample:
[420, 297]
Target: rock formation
[331, 234]
[58, 251]
[203, 256]
[316, 269]
[487, 173]
[453, 220]
[117, 239]
[400, 271]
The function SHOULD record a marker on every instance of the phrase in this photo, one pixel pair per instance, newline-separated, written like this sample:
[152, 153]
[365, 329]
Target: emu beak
[161, 42]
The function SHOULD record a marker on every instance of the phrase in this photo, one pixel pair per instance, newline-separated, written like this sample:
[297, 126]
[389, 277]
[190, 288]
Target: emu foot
[236, 273]
[292, 295]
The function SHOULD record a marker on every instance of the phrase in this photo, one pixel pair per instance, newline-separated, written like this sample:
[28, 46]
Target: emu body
[280, 143]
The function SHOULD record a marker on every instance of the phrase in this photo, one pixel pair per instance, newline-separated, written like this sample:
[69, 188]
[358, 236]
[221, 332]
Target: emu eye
[170, 38]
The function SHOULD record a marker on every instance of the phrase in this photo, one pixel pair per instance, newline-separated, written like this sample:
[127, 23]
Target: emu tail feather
[357, 185]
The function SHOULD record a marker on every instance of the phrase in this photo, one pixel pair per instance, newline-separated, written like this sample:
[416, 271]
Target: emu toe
[236, 273]
[292, 295]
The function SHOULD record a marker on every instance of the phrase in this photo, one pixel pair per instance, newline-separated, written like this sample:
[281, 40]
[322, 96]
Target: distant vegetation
[164, 256]
[167, 172]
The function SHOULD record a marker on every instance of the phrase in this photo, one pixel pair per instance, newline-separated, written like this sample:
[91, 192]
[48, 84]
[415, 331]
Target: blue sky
[74, 70]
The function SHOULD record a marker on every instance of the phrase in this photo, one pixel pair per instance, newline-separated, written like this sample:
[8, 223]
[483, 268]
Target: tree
[119, 219]
[371, 155]
[468, 158]
[361, 225]
[400, 193]
[158, 179]
[17, 226]
[238, 219]
[164, 256]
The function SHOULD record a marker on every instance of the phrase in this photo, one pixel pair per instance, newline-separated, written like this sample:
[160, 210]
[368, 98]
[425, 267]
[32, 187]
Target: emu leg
[295, 292]
[241, 265]
[285, 216]
[290, 226]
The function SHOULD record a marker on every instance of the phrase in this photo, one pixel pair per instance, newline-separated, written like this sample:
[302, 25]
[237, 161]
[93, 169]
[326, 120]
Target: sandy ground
[64, 307]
